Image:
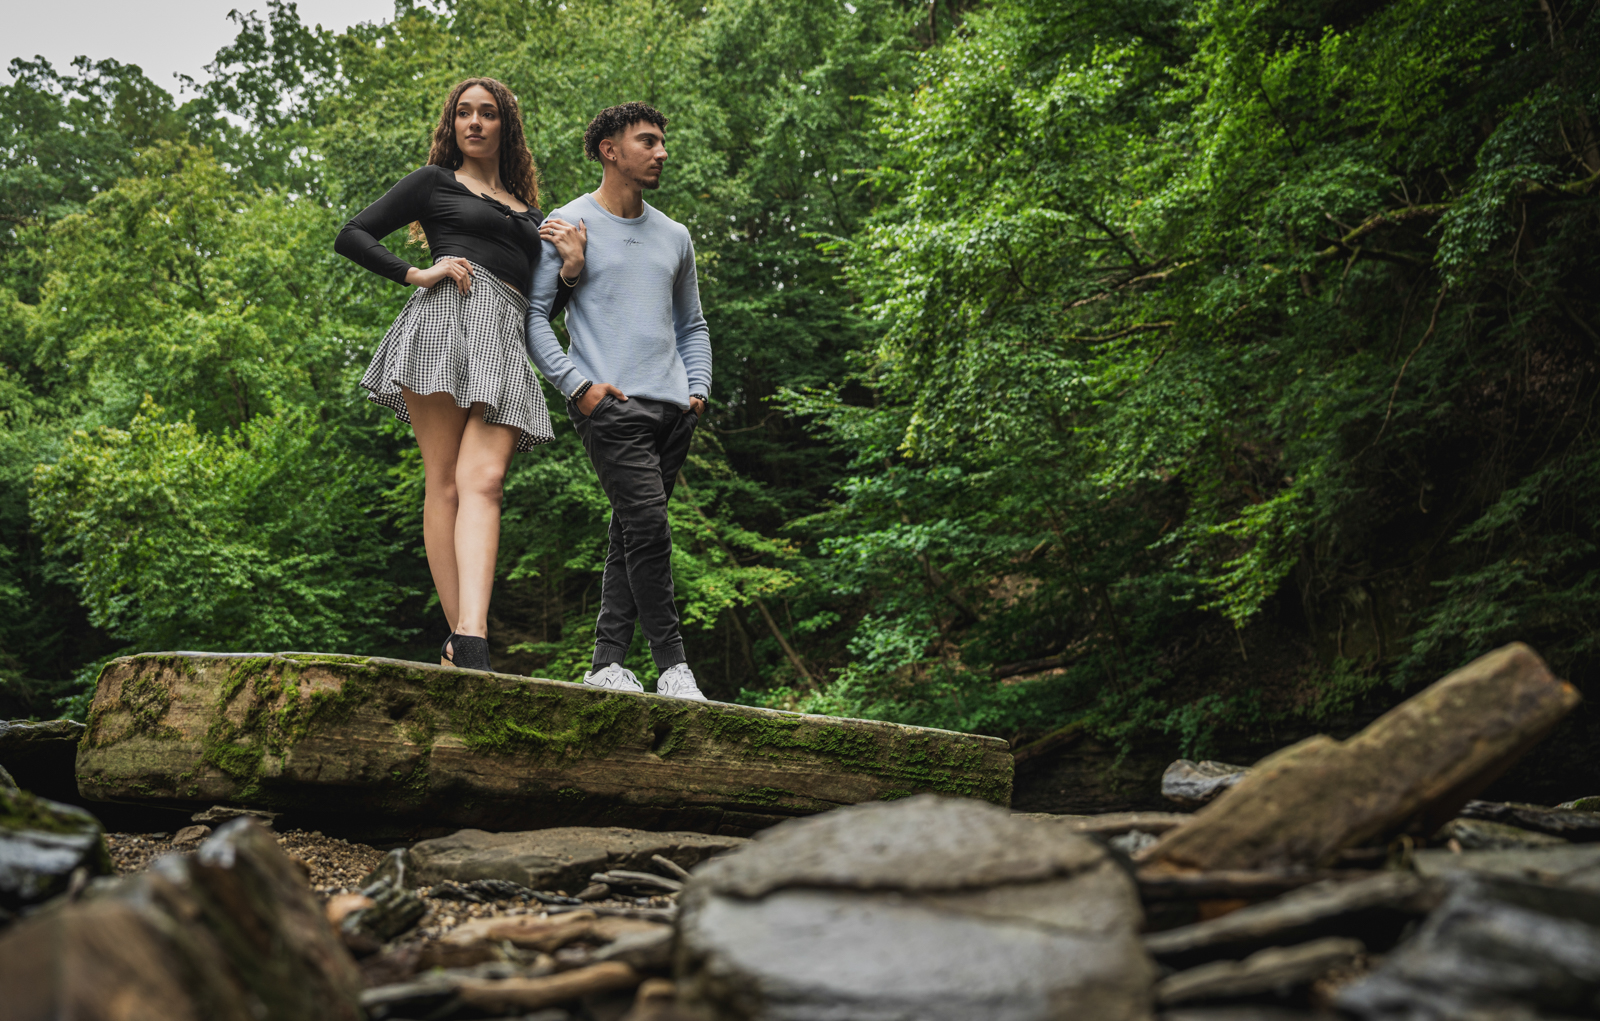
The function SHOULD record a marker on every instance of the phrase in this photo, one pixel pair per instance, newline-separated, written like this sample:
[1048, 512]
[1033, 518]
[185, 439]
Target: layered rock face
[419, 748]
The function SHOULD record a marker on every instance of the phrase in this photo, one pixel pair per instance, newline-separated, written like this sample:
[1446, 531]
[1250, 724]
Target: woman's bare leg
[481, 464]
[439, 425]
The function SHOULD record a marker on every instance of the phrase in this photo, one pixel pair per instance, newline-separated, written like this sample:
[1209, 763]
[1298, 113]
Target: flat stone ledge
[419, 749]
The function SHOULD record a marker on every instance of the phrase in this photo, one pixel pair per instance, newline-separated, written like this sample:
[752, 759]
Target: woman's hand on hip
[571, 243]
[459, 270]
[591, 400]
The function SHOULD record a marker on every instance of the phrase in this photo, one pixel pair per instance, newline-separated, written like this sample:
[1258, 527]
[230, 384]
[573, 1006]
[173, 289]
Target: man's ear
[608, 150]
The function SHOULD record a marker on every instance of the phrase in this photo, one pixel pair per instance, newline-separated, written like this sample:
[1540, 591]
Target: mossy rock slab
[386, 746]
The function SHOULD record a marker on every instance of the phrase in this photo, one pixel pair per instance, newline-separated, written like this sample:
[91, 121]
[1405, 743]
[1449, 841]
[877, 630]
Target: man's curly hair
[615, 118]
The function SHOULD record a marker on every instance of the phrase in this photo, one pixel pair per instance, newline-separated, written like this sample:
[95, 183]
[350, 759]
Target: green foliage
[253, 539]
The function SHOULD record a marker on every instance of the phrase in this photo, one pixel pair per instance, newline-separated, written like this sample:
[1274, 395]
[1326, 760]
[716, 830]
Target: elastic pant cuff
[669, 655]
[605, 654]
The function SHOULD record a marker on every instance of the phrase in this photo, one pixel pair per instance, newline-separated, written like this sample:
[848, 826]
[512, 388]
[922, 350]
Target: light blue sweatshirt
[634, 319]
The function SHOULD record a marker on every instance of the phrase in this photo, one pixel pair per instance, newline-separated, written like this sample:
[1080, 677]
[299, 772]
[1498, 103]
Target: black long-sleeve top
[456, 221]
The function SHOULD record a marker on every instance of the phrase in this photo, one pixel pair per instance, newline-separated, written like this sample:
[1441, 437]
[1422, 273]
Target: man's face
[637, 152]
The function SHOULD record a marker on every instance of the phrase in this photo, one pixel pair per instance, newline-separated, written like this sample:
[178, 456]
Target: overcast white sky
[164, 37]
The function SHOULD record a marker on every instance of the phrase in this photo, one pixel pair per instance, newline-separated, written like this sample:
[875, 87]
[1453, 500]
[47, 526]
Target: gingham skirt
[470, 346]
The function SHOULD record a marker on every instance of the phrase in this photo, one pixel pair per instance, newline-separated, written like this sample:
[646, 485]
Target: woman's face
[478, 124]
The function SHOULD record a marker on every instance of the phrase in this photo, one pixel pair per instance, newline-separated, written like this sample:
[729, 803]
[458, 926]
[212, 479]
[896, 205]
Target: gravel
[338, 866]
[335, 866]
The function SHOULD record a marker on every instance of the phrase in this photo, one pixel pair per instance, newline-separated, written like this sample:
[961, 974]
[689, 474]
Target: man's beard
[651, 183]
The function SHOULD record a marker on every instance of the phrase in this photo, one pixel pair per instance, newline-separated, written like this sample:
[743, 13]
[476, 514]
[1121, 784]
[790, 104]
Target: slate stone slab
[1374, 910]
[1577, 826]
[42, 843]
[1411, 768]
[1496, 948]
[927, 908]
[562, 858]
[350, 743]
[1274, 970]
[231, 934]
[1576, 865]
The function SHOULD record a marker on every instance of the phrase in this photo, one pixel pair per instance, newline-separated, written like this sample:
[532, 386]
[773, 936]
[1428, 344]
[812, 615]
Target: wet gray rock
[1193, 784]
[1577, 826]
[928, 908]
[1496, 949]
[1277, 970]
[555, 859]
[1482, 835]
[1591, 804]
[43, 844]
[232, 933]
[1374, 910]
[1575, 865]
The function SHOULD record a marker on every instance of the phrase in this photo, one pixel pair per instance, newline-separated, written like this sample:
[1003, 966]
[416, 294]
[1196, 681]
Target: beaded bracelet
[583, 388]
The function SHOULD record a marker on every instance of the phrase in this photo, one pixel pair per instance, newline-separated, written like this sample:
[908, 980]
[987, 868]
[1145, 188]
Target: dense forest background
[1191, 369]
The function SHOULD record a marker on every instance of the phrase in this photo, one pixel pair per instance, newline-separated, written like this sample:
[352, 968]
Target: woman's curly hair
[518, 173]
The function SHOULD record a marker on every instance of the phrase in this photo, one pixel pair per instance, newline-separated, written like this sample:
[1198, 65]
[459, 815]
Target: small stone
[191, 834]
[1192, 784]
[1133, 841]
[227, 813]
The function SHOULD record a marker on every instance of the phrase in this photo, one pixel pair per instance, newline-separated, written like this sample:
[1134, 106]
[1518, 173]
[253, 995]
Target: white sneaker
[678, 682]
[614, 677]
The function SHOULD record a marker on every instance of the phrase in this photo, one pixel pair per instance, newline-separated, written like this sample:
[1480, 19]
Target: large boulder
[232, 934]
[43, 844]
[928, 908]
[1413, 768]
[408, 748]
[562, 858]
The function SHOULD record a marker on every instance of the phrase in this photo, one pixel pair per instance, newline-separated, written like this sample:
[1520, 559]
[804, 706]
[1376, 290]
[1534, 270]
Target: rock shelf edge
[413, 748]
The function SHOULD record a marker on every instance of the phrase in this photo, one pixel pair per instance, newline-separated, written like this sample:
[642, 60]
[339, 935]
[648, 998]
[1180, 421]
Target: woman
[454, 363]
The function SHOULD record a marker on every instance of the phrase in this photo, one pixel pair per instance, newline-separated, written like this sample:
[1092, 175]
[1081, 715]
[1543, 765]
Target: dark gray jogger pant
[637, 447]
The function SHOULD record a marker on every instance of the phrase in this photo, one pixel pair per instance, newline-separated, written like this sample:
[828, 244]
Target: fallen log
[1411, 770]
[385, 746]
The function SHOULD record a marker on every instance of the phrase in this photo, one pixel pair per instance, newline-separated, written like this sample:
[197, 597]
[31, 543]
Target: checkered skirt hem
[470, 346]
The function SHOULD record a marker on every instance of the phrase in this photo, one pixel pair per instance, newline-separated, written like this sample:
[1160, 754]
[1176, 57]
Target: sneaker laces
[678, 682]
[614, 677]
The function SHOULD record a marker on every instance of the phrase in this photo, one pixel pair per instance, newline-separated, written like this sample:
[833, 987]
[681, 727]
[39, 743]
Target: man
[636, 380]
